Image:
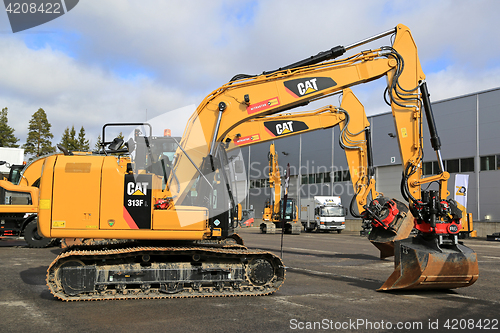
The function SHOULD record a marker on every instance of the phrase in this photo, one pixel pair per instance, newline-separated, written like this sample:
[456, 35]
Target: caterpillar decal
[136, 201]
[308, 85]
[277, 128]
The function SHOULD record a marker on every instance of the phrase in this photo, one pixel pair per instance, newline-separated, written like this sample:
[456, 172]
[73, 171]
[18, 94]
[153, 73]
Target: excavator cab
[290, 211]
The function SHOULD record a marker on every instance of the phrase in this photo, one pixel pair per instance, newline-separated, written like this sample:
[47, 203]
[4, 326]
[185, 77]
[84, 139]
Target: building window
[327, 177]
[320, 177]
[259, 183]
[337, 176]
[453, 166]
[427, 168]
[467, 164]
[460, 165]
[435, 167]
[430, 168]
[312, 178]
[487, 163]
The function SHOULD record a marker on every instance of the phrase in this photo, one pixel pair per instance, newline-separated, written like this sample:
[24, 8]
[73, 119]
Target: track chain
[224, 290]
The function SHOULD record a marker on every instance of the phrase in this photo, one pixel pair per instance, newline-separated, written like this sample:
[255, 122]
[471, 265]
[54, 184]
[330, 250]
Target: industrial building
[469, 129]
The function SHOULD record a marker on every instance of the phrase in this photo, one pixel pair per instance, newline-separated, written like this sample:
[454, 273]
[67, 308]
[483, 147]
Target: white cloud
[125, 57]
[453, 82]
[73, 93]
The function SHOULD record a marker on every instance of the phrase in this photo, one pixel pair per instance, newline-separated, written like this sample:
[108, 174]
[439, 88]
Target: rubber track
[154, 293]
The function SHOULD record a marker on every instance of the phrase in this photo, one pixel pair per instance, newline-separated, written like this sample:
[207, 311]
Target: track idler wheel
[261, 271]
[419, 266]
[75, 278]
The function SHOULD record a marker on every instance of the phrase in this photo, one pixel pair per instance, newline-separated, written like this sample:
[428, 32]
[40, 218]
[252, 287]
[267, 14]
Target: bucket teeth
[418, 266]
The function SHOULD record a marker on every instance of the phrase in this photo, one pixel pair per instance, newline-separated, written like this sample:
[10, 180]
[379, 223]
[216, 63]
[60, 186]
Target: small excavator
[182, 214]
[275, 215]
[19, 204]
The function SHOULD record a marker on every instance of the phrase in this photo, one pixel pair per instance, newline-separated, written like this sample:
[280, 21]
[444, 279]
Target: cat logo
[309, 85]
[461, 190]
[136, 201]
[137, 188]
[284, 128]
[277, 128]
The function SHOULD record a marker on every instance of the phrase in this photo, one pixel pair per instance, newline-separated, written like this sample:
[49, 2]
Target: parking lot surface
[330, 285]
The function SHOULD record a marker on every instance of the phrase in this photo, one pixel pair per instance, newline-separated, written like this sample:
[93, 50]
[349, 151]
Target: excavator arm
[250, 97]
[269, 128]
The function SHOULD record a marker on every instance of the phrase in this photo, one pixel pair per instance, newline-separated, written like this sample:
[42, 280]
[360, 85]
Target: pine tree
[83, 144]
[68, 139]
[97, 146]
[39, 138]
[73, 142]
[7, 138]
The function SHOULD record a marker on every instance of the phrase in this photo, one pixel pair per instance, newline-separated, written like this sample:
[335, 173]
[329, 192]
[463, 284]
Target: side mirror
[115, 144]
[64, 150]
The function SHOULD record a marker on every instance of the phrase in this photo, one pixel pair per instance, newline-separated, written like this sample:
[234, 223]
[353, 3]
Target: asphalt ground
[331, 283]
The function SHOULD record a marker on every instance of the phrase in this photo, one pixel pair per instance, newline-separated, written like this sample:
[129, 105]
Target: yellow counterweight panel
[77, 177]
[45, 197]
[112, 187]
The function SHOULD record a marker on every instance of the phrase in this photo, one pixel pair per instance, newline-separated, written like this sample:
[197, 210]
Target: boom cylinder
[435, 140]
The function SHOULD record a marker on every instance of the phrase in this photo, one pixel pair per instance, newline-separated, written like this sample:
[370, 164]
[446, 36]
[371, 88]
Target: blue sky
[108, 61]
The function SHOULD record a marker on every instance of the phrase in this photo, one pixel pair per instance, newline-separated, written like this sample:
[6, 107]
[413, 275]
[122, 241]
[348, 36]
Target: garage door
[389, 180]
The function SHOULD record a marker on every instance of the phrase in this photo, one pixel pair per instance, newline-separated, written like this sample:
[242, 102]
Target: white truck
[323, 213]
[10, 157]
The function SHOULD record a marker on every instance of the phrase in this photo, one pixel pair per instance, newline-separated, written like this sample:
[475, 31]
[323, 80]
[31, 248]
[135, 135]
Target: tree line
[39, 140]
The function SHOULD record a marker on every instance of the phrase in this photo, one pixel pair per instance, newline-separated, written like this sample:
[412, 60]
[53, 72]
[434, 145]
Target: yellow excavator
[275, 215]
[19, 204]
[182, 213]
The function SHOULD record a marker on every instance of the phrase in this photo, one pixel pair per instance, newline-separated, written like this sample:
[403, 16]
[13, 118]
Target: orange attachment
[400, 229]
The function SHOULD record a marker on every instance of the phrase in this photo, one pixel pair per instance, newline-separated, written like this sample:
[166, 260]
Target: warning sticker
[264, 105]
[247, 139]
[58, 224]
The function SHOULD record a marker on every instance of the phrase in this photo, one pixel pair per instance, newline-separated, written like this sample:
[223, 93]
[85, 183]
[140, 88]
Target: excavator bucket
[400, 229]
[420, 266]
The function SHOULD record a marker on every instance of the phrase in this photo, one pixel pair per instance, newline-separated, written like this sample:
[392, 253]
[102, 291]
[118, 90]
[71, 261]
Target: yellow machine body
[102, 213]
